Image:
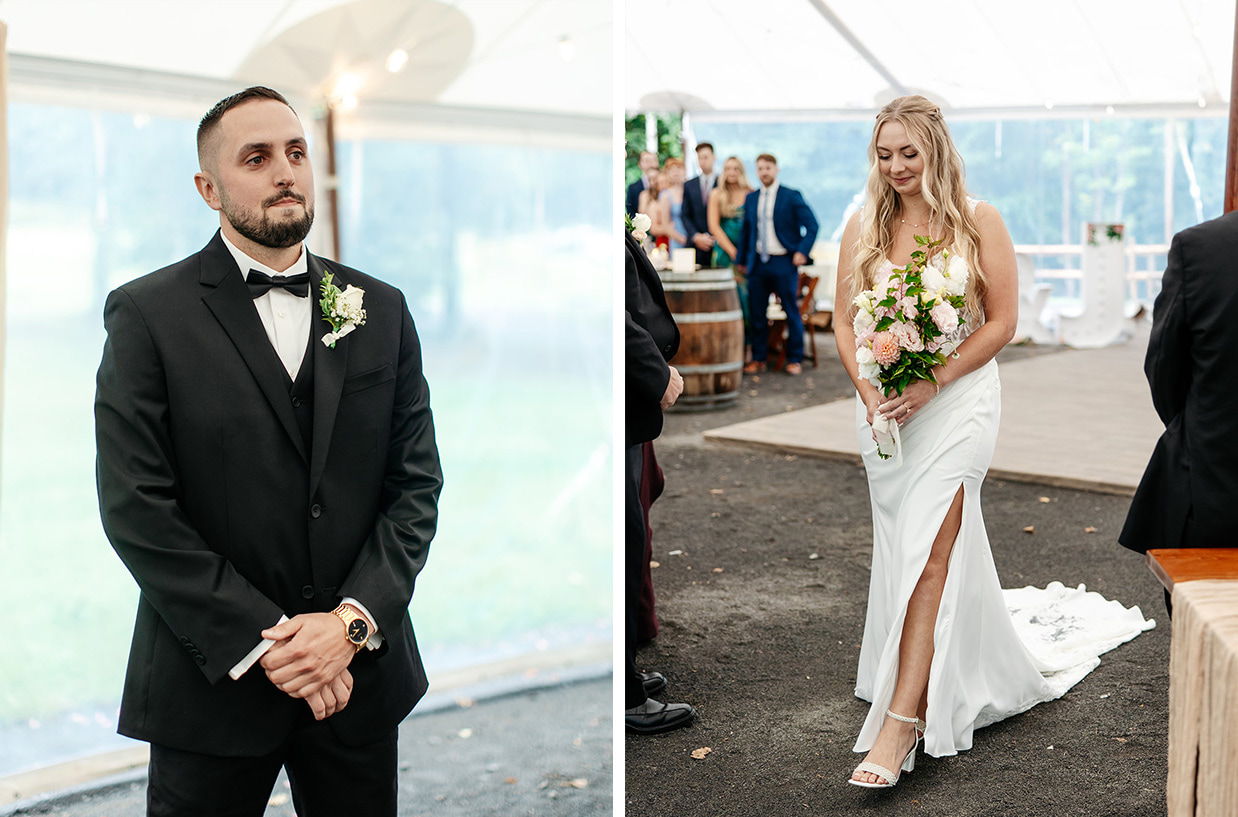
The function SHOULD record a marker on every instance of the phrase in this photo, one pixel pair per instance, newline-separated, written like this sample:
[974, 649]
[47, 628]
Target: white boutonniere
[340, 309]
[638, 225]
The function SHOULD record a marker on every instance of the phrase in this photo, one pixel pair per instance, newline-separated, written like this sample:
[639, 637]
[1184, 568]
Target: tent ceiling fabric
[525, 55]
[802, 55]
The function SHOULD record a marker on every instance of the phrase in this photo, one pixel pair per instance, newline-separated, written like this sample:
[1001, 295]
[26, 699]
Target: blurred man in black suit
[652, 385]
[696, 205]
[647, 162]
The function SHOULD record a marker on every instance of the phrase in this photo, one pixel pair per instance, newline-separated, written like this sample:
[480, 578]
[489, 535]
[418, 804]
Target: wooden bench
[1172, 565]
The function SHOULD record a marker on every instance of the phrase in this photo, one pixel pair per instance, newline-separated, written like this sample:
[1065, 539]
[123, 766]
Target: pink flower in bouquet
[907, 337]
[886, 348]
[909, 308]
[945, 316]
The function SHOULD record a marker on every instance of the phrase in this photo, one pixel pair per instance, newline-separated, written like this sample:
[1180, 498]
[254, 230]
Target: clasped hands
[900, 407]
[310, 661]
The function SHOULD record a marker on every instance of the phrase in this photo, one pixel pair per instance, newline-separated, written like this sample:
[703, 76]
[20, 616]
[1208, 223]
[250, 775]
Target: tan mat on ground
[1075, 418]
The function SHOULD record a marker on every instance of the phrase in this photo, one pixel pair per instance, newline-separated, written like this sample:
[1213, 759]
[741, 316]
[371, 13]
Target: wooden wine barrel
[705, 306]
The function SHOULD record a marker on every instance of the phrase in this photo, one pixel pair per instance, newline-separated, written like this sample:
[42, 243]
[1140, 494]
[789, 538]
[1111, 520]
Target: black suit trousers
[328, 779]
[633, 558]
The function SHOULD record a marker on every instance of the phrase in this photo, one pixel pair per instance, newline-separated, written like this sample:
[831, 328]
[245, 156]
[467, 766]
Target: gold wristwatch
[356, 630]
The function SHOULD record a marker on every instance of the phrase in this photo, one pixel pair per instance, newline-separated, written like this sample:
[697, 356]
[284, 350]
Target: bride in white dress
[945, 651]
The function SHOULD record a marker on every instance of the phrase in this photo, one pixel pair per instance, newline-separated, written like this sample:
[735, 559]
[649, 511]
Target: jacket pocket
[368, 379]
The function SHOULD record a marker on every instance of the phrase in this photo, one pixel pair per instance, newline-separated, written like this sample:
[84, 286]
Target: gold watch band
[348, 616]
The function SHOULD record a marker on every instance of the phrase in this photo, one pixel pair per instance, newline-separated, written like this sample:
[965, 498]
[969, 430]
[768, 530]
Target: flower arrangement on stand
[907, 323]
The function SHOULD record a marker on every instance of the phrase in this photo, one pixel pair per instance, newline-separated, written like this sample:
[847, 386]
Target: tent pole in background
[333, 187]
[1231, 150]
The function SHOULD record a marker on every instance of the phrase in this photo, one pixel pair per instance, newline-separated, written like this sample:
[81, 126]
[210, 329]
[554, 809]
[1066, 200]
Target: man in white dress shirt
[273, 497]
[696, 205]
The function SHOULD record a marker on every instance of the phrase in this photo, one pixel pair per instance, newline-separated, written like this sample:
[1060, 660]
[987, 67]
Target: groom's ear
[207, 189]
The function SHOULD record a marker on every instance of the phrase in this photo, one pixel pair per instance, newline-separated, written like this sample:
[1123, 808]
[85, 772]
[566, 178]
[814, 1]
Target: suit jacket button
[315, 510]
[307, 592]
[296, 402]
[199, 659]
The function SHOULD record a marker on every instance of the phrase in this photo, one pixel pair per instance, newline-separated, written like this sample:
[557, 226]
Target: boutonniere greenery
[340, 309]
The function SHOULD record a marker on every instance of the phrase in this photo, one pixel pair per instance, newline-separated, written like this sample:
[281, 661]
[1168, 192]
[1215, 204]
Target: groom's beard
[262, 230]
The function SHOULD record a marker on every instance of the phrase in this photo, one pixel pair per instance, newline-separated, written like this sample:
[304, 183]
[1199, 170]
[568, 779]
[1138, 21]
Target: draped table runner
[1203, 700]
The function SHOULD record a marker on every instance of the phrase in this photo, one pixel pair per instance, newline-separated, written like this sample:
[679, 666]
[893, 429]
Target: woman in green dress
[726, 220]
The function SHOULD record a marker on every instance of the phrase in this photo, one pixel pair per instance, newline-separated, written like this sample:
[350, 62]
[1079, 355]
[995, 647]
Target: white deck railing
[1062, 262]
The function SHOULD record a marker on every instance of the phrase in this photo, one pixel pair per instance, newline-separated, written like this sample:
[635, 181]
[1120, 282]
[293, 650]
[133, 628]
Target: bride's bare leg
[915, 651]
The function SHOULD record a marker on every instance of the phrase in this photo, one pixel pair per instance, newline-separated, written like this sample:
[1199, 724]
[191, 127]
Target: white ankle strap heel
[889, 779]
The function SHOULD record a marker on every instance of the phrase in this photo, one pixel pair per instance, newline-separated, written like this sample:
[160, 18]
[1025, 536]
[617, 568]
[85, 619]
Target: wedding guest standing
[648, 164]
[696, 193]
[1190, 485]
[267, 472]
[726, 222]
[652, 385]
[647, 202]
[777, 236]
[668, 219]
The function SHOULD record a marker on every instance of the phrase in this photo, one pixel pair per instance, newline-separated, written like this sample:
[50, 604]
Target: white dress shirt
[286, 319]
[765, 212]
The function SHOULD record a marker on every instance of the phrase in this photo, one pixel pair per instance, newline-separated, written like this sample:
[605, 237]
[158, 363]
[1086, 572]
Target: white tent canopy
[793, 59]
[469, 63]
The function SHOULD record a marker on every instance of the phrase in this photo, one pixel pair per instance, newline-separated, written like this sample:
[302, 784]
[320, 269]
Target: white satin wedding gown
[996, 653]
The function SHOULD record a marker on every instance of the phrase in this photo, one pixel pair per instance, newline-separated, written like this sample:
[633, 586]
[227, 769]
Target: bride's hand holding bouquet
[904, 327]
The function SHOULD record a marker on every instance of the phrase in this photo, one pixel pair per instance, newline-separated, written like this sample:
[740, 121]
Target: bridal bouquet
[906, 324]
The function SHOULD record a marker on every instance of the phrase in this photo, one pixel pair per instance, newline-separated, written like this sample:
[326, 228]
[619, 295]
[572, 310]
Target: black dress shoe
[654, 682]
[652, 717]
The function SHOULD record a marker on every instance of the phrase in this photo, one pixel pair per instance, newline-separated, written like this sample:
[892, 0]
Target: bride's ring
[907, 409]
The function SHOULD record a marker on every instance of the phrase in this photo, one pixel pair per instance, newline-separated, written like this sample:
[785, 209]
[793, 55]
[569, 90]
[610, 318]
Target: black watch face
[357, 631]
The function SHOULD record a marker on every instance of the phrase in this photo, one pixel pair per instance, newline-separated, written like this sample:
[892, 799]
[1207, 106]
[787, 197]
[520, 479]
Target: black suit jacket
[696, 215]
[226, 521]
[1189, 491]
[651, 339]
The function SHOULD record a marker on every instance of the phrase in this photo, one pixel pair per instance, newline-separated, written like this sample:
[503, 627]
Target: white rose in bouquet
[868, 365]
[956, 275]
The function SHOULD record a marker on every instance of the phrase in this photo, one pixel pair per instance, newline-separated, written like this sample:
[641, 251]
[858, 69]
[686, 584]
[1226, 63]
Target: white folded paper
[885, 429]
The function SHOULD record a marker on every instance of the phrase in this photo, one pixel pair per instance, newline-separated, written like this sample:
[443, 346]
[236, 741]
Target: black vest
[301, 392]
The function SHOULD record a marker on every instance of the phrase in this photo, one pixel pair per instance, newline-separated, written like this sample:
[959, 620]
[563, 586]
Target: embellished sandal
[889, 779]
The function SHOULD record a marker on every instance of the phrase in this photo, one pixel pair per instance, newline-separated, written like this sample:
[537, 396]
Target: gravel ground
[537, 753]
[762, 615]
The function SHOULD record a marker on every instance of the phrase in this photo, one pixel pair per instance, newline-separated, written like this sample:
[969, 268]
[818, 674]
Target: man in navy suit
[648, 161]
[696, 205]
[779, 231]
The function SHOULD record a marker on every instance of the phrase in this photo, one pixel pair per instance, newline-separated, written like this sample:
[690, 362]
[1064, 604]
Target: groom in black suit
[274, 497]
[1187, 494]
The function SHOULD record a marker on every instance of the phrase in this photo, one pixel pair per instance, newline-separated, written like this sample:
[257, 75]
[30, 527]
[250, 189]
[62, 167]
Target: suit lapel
[329, 367]
[229, 301]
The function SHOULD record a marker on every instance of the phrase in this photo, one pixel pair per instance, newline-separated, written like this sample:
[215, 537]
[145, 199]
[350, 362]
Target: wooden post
[1231, 150]
[333, 196]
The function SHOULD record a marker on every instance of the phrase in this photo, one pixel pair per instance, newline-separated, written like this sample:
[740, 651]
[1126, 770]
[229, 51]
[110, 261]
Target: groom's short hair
[210, 122]
[767, 157]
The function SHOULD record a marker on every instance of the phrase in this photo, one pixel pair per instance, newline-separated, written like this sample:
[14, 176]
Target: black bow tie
[260, 283]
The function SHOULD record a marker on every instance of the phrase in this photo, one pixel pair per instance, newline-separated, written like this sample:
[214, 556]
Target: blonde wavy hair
[944, 189]
[724, 207]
